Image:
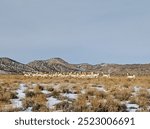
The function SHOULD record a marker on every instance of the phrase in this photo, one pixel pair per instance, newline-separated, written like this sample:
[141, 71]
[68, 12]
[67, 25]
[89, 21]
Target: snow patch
[136, 88]
[52, 101]
[45, 92]
[17, 103]
[29, 109]
[100, 89]
[132, 107]
[20, 91]
[70, 95]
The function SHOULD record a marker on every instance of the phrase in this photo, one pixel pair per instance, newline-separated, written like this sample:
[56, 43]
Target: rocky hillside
[59, 65]
[11, 66]
[53, 65]
[115, 69]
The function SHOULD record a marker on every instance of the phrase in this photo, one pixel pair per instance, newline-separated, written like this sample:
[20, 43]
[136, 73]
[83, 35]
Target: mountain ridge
[52, 65]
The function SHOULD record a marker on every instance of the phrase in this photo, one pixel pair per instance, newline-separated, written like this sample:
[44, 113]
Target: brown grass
[118, 90]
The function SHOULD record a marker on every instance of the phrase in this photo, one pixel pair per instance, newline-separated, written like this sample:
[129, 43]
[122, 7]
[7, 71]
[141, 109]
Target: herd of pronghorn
[74, 75]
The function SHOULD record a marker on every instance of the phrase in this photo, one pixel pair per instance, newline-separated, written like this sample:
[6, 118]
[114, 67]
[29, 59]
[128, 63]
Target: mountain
[84, 67]
[53, 65]
[57, 60]
[8, 66]
[117, 69]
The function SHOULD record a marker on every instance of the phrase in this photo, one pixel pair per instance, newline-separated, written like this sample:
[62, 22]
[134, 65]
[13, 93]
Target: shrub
[39, 108]
[143, 93]
[64, 106]
[111, 105]
[55, 94]
[27, 102]
[121, 94]
[6, 96]
[30, 94]
[50, 89]
[38, 89]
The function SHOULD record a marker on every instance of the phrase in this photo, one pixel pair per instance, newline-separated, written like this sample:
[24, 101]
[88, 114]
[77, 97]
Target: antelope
[106, 75]
[27, 74]
[130, 76]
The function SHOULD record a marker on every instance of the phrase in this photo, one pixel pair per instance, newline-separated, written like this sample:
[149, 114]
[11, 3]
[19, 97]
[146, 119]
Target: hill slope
[53, 65]
[8, 65]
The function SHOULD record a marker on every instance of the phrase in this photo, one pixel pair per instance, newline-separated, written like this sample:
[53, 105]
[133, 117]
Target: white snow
[100, 89]
[52, 101]
[70, 95]
[136, 88]
[45, 91]
[132, 107]
[29, 109]
[21, 90]
[17, 103]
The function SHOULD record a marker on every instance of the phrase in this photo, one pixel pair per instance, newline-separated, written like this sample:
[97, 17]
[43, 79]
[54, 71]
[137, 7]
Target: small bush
[111, 105]
[39, 108]
[30, 94]
[50, 89]
[55, 94]
[38, 89]
[6, 96]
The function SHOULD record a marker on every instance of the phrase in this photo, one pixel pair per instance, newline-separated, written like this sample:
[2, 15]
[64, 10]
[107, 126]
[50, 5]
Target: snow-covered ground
[21, 90]
[17, 103]
[136, 88]
[70, 95]
[132, 107]
[45, 91]
[29, 109]
[52, 101]
[101, 89]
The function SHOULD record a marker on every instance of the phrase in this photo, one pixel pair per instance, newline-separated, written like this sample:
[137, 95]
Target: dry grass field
[37, 94]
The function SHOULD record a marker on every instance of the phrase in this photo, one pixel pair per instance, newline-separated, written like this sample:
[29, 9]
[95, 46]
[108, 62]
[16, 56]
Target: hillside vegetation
[9, 66]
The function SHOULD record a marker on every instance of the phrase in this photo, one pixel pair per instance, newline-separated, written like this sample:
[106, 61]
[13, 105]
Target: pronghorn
[27, 74]
[130, 76]
[106, 75]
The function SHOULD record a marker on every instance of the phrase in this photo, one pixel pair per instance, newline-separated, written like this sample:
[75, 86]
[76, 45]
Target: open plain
[71, 94]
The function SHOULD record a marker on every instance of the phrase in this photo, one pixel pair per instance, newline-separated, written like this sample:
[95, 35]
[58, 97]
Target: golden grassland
[117, 91]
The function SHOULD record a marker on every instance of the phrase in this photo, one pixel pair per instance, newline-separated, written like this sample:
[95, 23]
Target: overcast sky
[91, 31]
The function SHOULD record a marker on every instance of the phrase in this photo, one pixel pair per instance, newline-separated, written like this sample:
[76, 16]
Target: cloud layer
[78, 31]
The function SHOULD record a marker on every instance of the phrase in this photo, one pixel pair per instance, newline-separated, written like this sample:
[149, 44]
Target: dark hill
[8, 65]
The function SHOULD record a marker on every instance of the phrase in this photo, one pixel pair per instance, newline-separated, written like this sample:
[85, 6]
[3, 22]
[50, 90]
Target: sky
[79, 31]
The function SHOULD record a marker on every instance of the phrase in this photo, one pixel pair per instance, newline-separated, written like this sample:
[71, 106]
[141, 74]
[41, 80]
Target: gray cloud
[78, 31]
